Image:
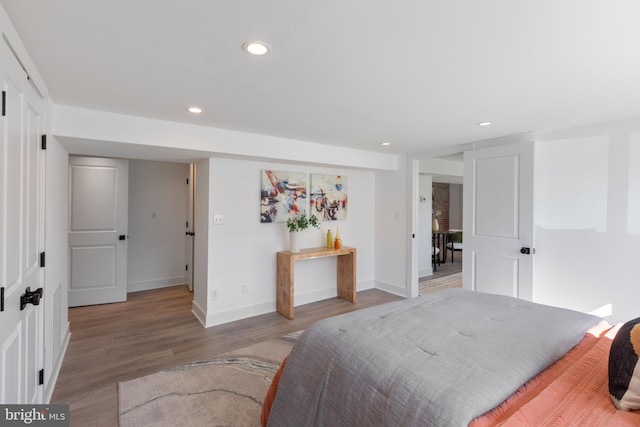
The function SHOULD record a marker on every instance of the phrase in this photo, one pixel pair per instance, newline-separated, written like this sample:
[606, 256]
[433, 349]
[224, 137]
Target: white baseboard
[313, 296]
[425, 272]
[199, 313]
[239, 313]
[367, 284]
[146, 285]
[392, 289]
[55, 368]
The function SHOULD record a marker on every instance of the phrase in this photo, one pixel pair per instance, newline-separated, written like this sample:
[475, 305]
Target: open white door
[188, 279]
[498, 220]
[98, 210]
[21, 236]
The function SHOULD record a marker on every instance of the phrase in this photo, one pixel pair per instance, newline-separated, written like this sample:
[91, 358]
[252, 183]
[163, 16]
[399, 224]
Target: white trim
[426, 272]
[240, 313]
[365, 285]
[221, 317]
[146, 285]
[56, 367]
[391, 288]
[199, 313]
[314, 296]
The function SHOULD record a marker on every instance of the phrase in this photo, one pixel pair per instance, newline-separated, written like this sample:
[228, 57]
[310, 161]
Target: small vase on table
[337, 243]
[294, 246]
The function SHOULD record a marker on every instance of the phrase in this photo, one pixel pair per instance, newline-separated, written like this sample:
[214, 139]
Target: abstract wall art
[329, 200]
[282, 194]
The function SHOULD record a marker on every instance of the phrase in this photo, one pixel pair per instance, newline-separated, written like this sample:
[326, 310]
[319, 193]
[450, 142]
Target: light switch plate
[218, 219]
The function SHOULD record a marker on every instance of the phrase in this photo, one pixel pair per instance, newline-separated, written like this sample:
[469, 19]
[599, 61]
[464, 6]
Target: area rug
[225, 391]
[434, 285]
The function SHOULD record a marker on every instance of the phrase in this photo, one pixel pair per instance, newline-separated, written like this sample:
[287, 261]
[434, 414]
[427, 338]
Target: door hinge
[43, 143]
[41, 259]
[187, 181]
[41, 377]
[186, 267]
[187, 224]
[2, 299]
[4, 102]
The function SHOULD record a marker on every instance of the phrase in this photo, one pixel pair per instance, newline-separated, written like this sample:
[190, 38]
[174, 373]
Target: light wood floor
[155, 330]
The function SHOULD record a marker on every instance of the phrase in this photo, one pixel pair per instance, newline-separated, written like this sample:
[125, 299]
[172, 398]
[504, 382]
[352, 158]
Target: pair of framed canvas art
[284, 194]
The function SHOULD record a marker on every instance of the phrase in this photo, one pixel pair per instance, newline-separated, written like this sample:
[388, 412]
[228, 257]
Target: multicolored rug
[225, 391]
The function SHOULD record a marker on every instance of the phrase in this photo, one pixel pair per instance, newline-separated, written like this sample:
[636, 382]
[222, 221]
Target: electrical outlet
[218, 219]
[214, 294]
[245, 289]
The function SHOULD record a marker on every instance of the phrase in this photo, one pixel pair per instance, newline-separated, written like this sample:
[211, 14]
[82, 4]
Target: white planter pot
[294, 244]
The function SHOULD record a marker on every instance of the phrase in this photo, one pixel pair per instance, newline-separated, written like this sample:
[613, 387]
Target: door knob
[527, 251]
[30, 297]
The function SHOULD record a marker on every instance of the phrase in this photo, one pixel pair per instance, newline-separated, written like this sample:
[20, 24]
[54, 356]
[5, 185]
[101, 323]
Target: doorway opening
[153, 239]
[438, 209]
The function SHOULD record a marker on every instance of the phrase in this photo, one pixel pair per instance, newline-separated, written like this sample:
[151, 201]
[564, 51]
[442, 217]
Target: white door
[188, 279]
[98, 200]
[498, 220]
[22, 237]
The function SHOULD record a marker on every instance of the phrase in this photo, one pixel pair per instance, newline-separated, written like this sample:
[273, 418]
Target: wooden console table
[346, 277]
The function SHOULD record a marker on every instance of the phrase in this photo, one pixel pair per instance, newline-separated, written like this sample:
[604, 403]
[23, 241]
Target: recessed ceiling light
[385, 144]
[256, 48]
[484, 124]
[194, 110]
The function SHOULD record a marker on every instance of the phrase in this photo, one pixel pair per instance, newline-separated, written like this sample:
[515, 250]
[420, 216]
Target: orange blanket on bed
[572, 391]
[271, 395]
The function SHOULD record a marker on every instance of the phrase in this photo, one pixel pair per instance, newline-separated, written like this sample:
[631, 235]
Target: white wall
[392, 229]
[56, 275]
[587, 199]
[446, 167]
[242, 251]
[157, 215]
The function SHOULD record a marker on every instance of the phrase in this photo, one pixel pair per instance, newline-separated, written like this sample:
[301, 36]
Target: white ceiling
[418, 73]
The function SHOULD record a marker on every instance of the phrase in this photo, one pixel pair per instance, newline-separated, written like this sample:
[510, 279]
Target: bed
[453, 358]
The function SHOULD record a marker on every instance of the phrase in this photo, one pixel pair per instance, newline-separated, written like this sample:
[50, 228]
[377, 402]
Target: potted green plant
[299, 223]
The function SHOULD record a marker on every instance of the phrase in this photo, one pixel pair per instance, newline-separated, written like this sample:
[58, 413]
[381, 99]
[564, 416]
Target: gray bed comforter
[437, 360]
